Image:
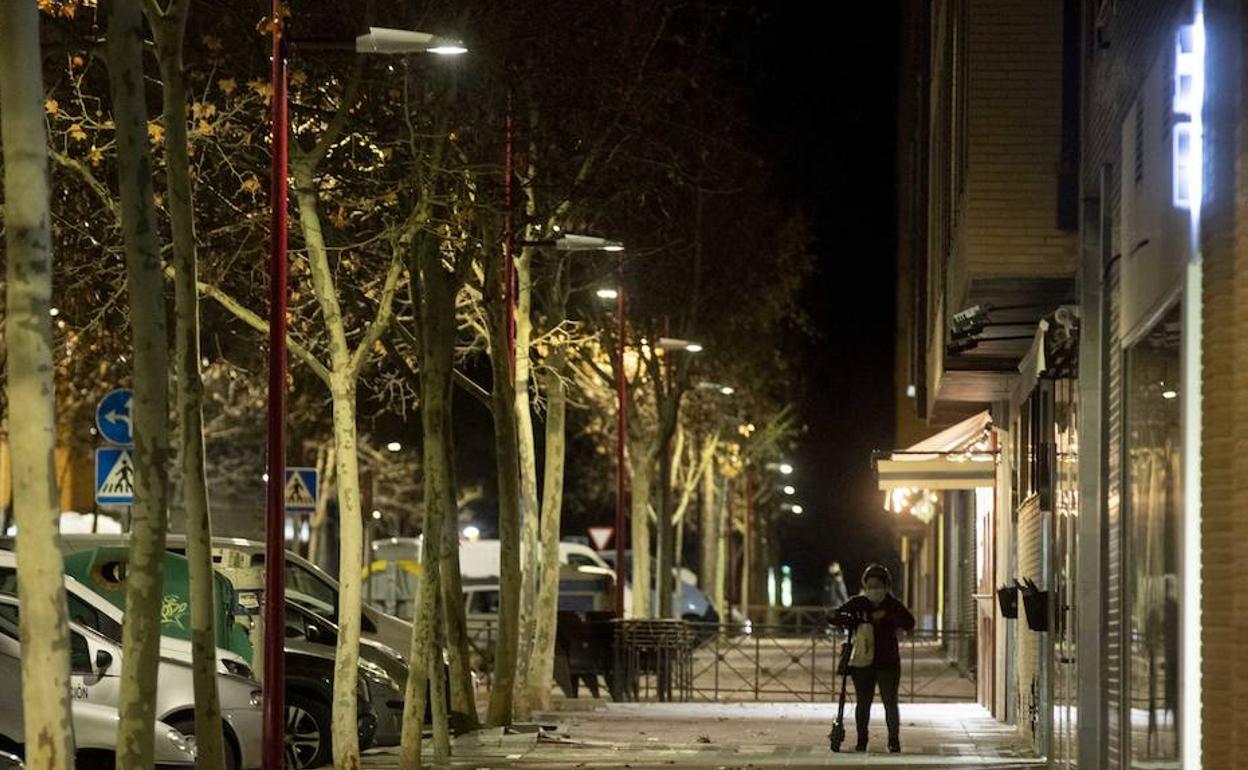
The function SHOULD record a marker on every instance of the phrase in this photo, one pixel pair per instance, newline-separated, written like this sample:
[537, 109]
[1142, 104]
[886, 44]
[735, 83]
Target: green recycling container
[103, 570]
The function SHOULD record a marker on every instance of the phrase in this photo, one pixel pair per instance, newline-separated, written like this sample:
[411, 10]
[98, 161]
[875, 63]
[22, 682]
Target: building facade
[1075, 267]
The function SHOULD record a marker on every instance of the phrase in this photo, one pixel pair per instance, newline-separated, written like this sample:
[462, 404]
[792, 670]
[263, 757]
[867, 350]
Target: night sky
[825, 106]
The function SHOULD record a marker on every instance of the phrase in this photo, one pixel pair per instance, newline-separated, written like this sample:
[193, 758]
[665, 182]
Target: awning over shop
[958, 457]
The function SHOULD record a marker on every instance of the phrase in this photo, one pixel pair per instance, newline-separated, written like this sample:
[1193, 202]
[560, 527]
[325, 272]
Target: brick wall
[1007, 213]
[1224, 488]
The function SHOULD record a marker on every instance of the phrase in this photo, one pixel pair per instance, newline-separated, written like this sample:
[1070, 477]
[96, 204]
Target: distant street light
[472, 533]
[377, 515]
[789, 489]
[723, 390]
[607, 293]
[394, 446]
[792, 508]
[785, 469]
[674, 344]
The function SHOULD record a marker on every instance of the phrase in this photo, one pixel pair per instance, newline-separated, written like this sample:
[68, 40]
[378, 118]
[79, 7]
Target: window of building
[1153, 516]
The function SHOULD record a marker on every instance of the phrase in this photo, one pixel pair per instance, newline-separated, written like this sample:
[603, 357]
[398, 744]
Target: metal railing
[781, 665]
[669, 660]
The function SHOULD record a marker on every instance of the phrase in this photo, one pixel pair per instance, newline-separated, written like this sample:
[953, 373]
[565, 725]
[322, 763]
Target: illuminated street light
[383, 40]
[793, 508]
[789, 489]
[394, 446]
[674, 344]
[723, 390]
[472, 533]
[574, 242]
[378, 40]
[377, 515]
[607, 293]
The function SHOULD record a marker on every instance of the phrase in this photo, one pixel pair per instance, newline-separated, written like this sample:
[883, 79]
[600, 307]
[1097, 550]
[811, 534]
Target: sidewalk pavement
[734, 736]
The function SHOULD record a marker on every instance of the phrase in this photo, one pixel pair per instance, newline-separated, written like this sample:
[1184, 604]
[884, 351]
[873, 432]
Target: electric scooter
[837, 736]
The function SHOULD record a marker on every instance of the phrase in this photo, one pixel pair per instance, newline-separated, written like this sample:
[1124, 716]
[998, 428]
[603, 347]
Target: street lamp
[792, 508]
[574, 242]
[377, 40]
[607, 293]
[789, 489]
[723, 390]
[394, 446]
[675, 345]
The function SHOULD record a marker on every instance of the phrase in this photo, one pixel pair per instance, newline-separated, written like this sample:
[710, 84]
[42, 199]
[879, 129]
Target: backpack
[863, 655]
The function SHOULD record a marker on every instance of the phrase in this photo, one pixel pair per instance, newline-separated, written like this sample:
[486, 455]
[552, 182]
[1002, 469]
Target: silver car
[95, 725]
[95, 674]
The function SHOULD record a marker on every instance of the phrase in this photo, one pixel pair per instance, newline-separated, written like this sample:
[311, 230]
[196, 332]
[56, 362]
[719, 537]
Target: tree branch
[242, 313]
[385, 313]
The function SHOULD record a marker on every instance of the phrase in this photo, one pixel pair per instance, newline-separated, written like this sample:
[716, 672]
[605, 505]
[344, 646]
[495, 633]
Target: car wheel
[186, 726]
[307, 732]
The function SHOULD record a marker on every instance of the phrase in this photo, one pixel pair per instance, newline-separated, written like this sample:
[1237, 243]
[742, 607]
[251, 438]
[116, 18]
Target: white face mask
[876, 595]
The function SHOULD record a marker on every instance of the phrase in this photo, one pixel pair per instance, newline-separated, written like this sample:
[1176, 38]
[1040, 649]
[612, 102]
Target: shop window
[1153, 496]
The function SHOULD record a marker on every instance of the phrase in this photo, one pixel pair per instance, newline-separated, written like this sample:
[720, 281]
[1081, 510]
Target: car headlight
[183, 743]
[256, 699]
[237, 668]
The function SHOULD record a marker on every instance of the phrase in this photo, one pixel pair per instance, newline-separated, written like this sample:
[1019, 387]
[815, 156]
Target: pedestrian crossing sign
[114, 476]
[301, 486]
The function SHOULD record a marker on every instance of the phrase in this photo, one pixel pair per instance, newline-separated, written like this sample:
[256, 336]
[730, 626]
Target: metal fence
[657, 660]
[780, 665]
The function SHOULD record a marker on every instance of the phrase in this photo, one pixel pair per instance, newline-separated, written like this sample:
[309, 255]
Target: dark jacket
[859, 610]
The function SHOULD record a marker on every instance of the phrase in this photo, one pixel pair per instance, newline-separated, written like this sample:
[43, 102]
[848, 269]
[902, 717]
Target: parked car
[688, 601]
[309, 694]
[383, 668]
[305, 582]
[93, 615]
[94, 723]
[586, 582]
[95, 612]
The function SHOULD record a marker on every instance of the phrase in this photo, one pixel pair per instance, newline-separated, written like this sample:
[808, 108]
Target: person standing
[886, 615]
[834, 591]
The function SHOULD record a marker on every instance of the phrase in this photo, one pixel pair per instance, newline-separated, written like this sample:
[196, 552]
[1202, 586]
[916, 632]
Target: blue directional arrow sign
[114, 476]
[300, 490]
[113, 417]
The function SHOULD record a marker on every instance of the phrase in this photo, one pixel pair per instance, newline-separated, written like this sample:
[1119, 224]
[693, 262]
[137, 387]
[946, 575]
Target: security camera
[969, 317]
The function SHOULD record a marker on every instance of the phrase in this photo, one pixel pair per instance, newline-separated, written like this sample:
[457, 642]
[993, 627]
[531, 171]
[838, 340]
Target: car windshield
[310, 589]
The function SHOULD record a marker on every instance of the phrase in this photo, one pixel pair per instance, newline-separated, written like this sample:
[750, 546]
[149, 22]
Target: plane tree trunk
[507, 452]
[150, 409]
[169, 28]
[28, 340]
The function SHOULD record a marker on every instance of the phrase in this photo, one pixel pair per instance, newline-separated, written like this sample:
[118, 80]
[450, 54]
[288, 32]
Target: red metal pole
[272, 754]
[621, 470]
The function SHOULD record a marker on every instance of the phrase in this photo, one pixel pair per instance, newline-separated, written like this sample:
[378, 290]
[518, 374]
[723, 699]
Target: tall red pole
[621, 470]
[275, 512]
